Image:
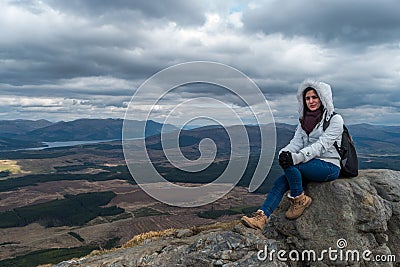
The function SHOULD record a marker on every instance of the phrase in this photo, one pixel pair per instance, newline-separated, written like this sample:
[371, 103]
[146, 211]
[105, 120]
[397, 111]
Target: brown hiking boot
[257, 222]
[297, 205]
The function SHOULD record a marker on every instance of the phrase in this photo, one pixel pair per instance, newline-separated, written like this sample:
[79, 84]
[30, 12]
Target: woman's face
[312, 100]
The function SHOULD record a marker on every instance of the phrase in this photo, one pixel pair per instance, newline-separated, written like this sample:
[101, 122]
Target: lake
[67, 143]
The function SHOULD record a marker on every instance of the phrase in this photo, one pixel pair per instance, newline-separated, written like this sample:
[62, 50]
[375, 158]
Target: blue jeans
[314, 170]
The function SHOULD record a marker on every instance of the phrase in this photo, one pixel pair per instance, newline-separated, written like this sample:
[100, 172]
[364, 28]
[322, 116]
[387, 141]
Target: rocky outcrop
[351, 222]
[359, 214]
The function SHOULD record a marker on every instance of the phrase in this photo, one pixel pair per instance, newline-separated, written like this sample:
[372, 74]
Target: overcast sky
[63, 60]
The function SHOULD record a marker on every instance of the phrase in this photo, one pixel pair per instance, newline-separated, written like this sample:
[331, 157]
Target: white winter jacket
[319, 143]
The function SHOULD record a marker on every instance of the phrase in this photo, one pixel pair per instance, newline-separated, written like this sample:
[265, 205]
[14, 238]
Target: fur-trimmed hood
[324, 92]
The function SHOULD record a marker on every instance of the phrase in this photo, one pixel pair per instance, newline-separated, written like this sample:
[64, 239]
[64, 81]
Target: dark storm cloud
[366, 96]
[180, 11]
[63, 54]
[352, 22]
[88, 38]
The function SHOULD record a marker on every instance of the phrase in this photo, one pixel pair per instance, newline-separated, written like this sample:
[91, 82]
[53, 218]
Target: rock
[183, 233]
[360, 212]
[348, 218]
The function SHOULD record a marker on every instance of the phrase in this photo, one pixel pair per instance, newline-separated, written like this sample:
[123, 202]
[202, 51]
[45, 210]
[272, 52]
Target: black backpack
[347, 152]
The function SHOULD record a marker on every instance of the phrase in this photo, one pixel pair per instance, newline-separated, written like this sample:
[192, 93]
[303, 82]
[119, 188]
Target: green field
[146, 211]
[55, 255]
[119, 172]
[73, 210]
[10, 167]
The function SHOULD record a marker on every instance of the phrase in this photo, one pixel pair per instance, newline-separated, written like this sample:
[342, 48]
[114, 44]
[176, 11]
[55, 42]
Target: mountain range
[370, 140]
[20, 134]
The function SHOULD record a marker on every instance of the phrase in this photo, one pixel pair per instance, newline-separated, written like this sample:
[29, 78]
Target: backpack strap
[327, 122]
[338, 149]
[325, 126]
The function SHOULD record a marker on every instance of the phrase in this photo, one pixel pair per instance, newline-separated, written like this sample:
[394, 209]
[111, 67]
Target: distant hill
[11, 128]
[376, 138]
[82, 129]
[369, 139]
[377, 146]
[12, 144]
[284, 132]
[19, 134]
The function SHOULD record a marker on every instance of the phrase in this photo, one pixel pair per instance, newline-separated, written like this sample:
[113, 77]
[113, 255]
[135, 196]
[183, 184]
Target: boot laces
[258, 216]
[298, 204]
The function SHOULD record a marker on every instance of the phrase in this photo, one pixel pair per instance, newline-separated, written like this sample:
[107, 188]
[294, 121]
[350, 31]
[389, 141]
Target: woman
[310, 155]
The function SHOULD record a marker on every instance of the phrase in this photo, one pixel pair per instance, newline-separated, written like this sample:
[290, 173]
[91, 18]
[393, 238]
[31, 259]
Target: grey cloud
[365, 22]
[34, 62]
[103, 101]
[180, 11]
[78, 46]
[82, 88]
[367, 96]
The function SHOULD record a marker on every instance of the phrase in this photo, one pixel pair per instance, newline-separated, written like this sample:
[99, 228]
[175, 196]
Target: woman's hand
[285, 159]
